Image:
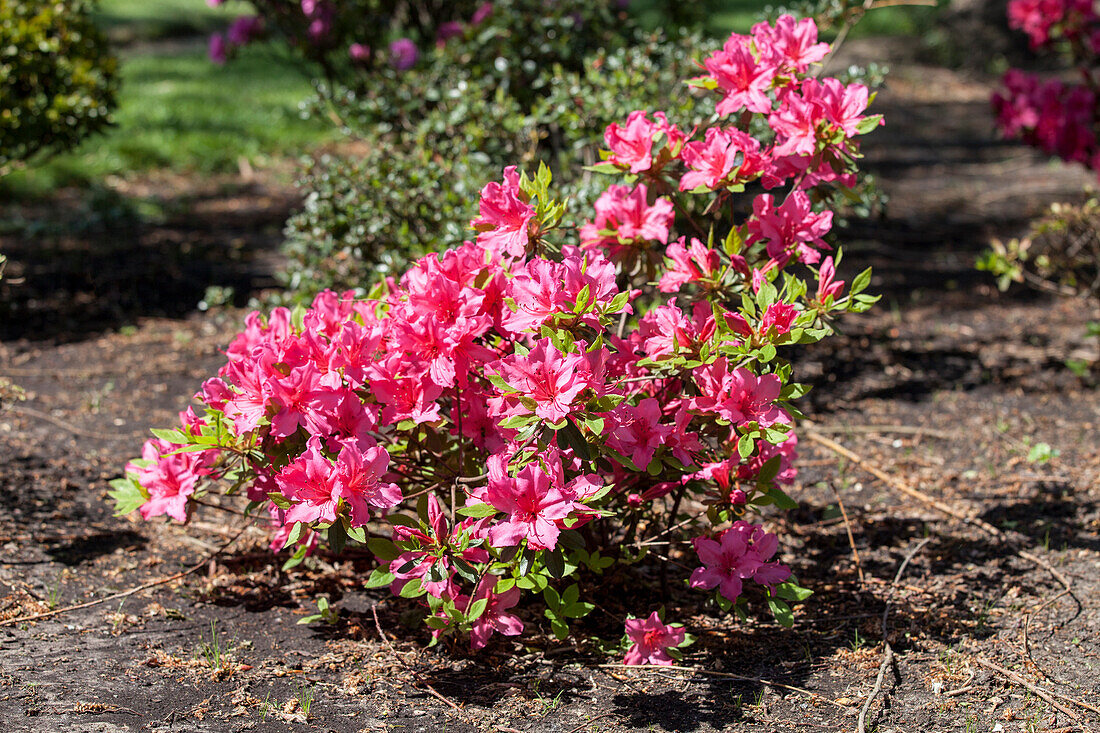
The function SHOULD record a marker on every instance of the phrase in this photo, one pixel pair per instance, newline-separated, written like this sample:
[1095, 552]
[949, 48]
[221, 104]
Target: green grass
[127, 21]
[729, 16]
[179, 112]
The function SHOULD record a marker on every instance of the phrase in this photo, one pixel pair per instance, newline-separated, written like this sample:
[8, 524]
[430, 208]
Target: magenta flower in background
[481, 13]
[403, 54]
[244, 29]
[650, 640]
[218, 50]
[359, 52]
[447, 31]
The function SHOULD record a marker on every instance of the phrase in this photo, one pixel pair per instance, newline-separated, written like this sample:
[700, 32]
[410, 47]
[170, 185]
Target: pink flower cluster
[320, 20]
[542, 389]
[1057, 117]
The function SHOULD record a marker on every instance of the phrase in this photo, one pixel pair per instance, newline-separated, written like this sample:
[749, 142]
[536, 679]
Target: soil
[947, 386]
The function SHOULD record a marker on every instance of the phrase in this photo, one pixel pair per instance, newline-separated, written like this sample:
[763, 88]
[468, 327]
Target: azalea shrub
[558, 399]
[1056, 116]
[415, 188]
[1060, 254]
[57, 78]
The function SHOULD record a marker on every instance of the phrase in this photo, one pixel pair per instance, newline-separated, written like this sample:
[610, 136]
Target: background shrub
[57, 78]
[414, 188]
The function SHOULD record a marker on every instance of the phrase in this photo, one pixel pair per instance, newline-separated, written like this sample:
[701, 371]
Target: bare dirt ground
[946, 387]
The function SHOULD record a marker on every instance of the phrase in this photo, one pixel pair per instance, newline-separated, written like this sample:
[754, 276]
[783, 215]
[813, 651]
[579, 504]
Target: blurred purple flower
[218, 50]
[403, 54]
[447, 31]
[244, 29]
[481, 13]
[359, 53]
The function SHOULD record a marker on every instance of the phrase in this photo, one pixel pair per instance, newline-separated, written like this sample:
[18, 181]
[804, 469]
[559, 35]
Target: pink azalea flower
[538, 294]
[778, 319]
[218, 49]
[743, 79]
[310, 482]
[791, 44]
[359, 481]
[843, 104]
[504, 217]
[495, 617]
[796, 121]
[738, 396]
[483, 11]
[791, 229]
[403, 54]
[552, 379]
[639, 432]
[827, 284]
[624, 217]
[405, 390]
[631, 145]
[170, 478]
[722, 158]
[533, 505]
[359, 53]
[740, 553]
[689, 264]
[650, 640]
[244, 29]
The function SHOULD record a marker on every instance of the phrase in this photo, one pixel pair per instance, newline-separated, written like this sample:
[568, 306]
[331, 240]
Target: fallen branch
[940, 506]
[1027, 625]
[419, 677]
[887, 657]
[851, 537]
[38, 414]
[123, 594]
[1048, 695]
[887, 650]
[879, 429]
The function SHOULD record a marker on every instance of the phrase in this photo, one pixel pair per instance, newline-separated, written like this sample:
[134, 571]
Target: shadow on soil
[94, 261]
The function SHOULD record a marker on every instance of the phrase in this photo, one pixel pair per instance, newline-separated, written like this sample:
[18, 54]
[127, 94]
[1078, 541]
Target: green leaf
[861, 281]
[868, 123]
[337, 537]
[412, 589]
[278, 500]
[295, 534]
[380, 578]
[792, 591]
[553, 600]
[782, 501]
[478, 510]
[574, 439]
[172, 436]
[383, 549]
[359, 534]
[477, 608]
[128, 495]
[555, 563]
[745, 446]
[782, 612]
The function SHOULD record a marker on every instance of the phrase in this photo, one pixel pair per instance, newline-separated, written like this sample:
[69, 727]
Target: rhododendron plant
[1059, 117]
[516, 415]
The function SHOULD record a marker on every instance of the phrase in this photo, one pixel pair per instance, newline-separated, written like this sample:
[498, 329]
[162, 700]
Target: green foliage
[179, 112]
[57, 78]
[415, 189]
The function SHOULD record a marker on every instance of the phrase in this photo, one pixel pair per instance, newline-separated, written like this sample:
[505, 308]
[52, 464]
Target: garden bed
[974, 378]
